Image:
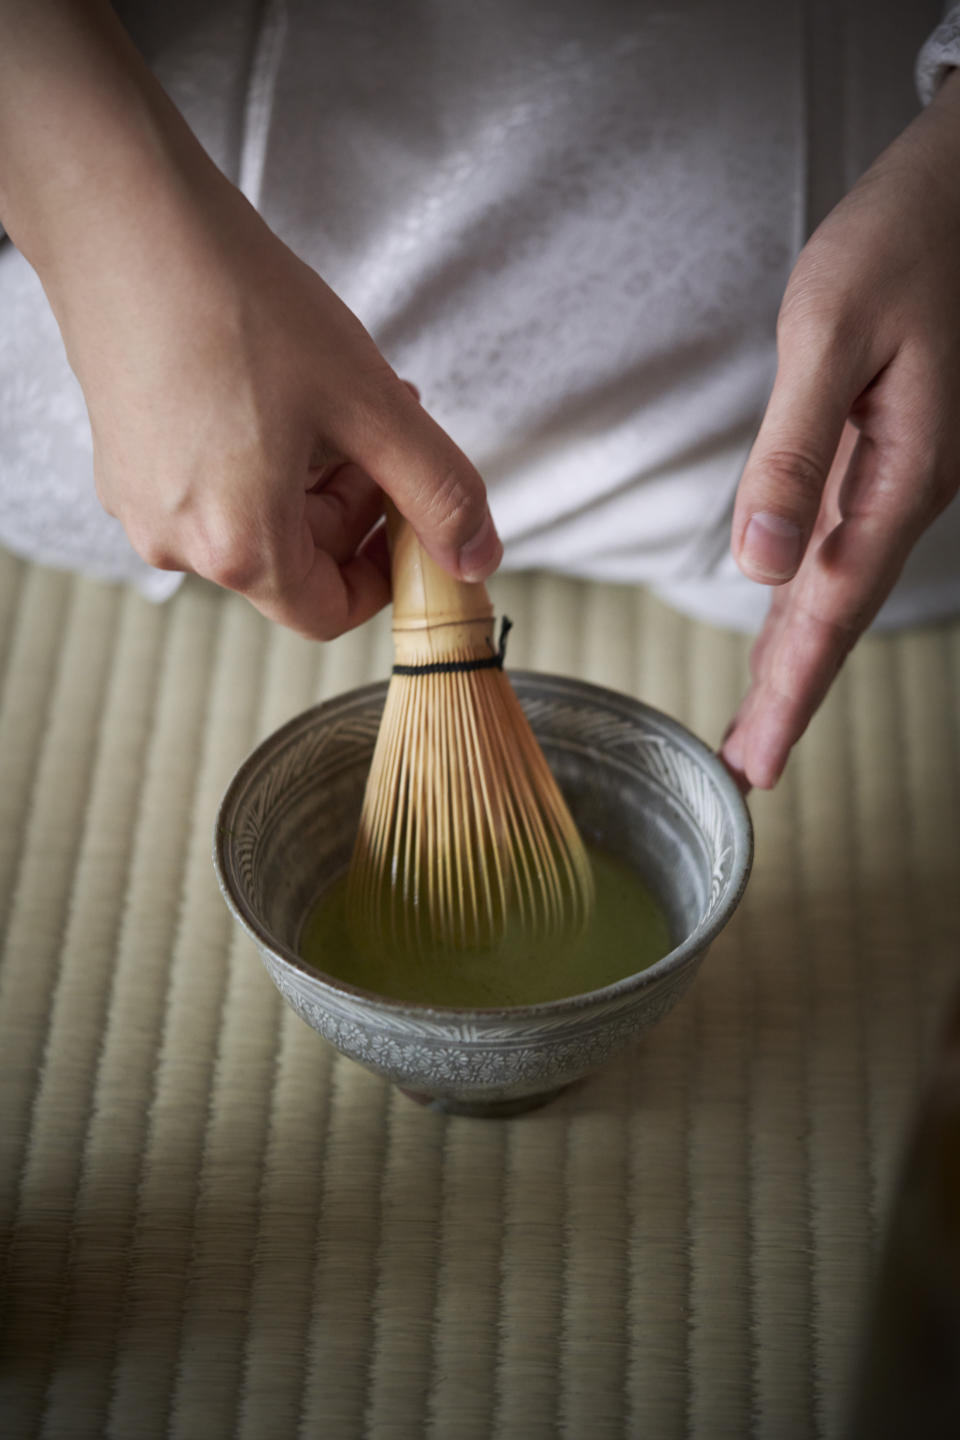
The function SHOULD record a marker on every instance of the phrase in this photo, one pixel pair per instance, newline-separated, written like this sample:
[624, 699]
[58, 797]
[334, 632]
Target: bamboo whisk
[463, 829]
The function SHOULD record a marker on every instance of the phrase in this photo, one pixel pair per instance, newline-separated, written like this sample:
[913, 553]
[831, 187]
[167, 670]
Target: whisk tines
[464, 833]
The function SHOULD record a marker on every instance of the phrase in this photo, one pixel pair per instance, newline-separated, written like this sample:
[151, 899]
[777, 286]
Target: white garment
[569, 224]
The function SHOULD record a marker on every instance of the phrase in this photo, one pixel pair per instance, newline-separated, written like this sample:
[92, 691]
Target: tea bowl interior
[640, 787]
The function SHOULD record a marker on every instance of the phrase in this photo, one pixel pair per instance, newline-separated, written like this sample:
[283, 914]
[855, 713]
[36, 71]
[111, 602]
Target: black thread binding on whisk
[458, 667]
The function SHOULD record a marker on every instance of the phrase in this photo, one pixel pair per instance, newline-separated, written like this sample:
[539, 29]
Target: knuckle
[153, 549]
[794, 471]
[818, 334]
[377, 403]
[233, 562]
[326, 630]
[451, 504]
[820, 323]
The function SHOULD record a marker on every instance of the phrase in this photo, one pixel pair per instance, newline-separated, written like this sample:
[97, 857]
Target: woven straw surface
[213, 1226]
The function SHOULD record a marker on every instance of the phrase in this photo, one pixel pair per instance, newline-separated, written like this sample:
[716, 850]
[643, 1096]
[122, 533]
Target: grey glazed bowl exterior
[639, 785]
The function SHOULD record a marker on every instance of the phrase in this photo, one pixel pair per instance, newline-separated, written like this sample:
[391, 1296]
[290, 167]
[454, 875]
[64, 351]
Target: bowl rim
[655, 975]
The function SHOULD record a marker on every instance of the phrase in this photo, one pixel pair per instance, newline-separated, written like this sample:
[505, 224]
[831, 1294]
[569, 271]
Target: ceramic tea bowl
[640, 786]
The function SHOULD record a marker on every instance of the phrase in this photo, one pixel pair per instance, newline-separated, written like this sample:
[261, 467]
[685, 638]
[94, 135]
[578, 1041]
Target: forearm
[87, 134]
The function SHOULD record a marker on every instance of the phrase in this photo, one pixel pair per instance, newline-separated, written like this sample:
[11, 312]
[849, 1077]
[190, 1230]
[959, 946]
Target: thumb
[432, 484]
[782, 485]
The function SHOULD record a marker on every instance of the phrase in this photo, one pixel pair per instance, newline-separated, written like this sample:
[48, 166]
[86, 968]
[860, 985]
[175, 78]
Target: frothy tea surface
[627, 932]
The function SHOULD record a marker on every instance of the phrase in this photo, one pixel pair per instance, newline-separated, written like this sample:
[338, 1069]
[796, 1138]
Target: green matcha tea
[627, 932]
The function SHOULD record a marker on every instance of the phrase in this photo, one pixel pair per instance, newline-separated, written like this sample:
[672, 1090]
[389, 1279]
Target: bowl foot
[483, 1109]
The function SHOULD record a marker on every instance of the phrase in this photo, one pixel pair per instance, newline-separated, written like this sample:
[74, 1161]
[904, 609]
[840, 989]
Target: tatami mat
[213, 1226]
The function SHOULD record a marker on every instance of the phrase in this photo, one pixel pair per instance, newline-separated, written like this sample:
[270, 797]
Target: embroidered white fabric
[940, 55]
[571, 225]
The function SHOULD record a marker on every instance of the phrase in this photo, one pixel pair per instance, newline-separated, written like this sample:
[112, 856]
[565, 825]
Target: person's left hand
[859, 449]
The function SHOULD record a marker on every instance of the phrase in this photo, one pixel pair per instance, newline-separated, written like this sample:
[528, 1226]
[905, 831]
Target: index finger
[842, 583]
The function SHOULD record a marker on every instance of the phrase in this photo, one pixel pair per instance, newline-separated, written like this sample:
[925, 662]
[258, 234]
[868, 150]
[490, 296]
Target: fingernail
[481, 555]
[772, 546]
[731, 749]
[768, 755]
[766, 771]
[732, 756]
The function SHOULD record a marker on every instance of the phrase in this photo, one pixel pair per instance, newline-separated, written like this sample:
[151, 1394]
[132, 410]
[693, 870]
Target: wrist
[88, 138]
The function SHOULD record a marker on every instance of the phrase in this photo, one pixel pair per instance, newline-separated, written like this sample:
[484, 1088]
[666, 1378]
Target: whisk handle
[427, 599]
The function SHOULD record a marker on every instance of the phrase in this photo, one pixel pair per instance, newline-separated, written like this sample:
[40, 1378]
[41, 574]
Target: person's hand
[868, 339]
[245, 425]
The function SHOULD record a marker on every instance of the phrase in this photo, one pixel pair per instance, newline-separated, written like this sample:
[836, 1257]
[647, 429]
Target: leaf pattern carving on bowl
[656, 756]
[457, 1059]
[309, 760]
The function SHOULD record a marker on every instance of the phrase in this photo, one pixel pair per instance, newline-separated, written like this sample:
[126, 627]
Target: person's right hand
[245, 425]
